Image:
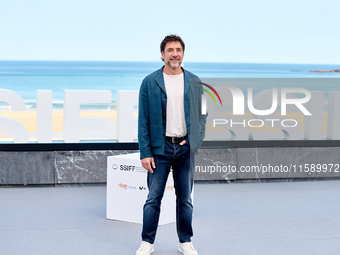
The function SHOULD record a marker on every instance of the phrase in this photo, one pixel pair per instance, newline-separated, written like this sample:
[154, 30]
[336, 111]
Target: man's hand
[148, 164]
[183, 142]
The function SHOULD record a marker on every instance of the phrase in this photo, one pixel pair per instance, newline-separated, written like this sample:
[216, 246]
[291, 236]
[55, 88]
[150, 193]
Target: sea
[26, 77]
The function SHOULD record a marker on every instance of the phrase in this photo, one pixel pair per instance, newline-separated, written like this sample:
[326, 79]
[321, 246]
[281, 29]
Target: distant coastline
[26, 77]
[326, 71]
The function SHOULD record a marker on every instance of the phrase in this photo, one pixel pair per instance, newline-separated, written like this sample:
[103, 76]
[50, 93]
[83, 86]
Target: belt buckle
[173, 139]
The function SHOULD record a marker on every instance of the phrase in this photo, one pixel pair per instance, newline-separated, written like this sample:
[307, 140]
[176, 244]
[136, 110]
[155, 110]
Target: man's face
[173, 54]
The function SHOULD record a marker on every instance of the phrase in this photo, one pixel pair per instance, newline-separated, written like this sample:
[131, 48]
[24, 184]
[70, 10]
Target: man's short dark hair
[171, 38]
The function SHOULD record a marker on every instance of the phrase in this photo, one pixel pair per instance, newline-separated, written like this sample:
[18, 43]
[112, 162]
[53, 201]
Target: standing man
[166, 110]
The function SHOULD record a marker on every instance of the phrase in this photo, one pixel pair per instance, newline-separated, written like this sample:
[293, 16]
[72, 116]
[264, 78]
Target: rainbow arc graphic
[210, 94]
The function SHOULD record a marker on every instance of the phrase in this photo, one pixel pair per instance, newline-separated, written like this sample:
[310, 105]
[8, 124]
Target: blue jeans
[182, 162]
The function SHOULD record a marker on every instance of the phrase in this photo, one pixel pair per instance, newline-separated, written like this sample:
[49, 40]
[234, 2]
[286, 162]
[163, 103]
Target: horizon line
[207, 62]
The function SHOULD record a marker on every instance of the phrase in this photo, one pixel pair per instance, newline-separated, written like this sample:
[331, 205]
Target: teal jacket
[152, 114]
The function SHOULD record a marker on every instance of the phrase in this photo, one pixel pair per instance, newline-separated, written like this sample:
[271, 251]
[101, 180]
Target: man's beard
[178, 65]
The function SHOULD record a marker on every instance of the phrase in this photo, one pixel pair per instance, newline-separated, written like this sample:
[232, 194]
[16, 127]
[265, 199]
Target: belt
[175, 139]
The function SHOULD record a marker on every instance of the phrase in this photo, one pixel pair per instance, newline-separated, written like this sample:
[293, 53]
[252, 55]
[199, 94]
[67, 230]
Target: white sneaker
[145, 249]
[187, 249]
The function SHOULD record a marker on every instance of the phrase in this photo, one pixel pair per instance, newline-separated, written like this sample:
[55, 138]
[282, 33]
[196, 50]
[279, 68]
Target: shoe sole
[151, 251]
[180, 250]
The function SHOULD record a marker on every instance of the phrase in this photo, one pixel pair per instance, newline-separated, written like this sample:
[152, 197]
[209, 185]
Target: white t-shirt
[175, 117]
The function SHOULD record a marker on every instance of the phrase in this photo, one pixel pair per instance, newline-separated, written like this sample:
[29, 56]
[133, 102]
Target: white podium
[127, 191]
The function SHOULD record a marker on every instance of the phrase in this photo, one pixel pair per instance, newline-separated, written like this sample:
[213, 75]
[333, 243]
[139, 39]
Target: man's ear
[162, 52]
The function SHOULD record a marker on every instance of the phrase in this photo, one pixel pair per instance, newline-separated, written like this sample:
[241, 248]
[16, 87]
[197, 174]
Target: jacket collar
[160, 80]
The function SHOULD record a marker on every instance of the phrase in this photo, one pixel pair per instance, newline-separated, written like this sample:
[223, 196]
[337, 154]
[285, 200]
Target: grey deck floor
[245, 218]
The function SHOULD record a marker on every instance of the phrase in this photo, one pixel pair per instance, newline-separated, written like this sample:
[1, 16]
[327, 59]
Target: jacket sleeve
[143, 122]
[197, 120]
[202, 118]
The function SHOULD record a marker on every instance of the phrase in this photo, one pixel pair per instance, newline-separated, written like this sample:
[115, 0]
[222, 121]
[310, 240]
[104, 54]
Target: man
[166, 140]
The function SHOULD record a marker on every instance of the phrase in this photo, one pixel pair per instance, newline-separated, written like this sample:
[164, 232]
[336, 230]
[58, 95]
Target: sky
[243, 31]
